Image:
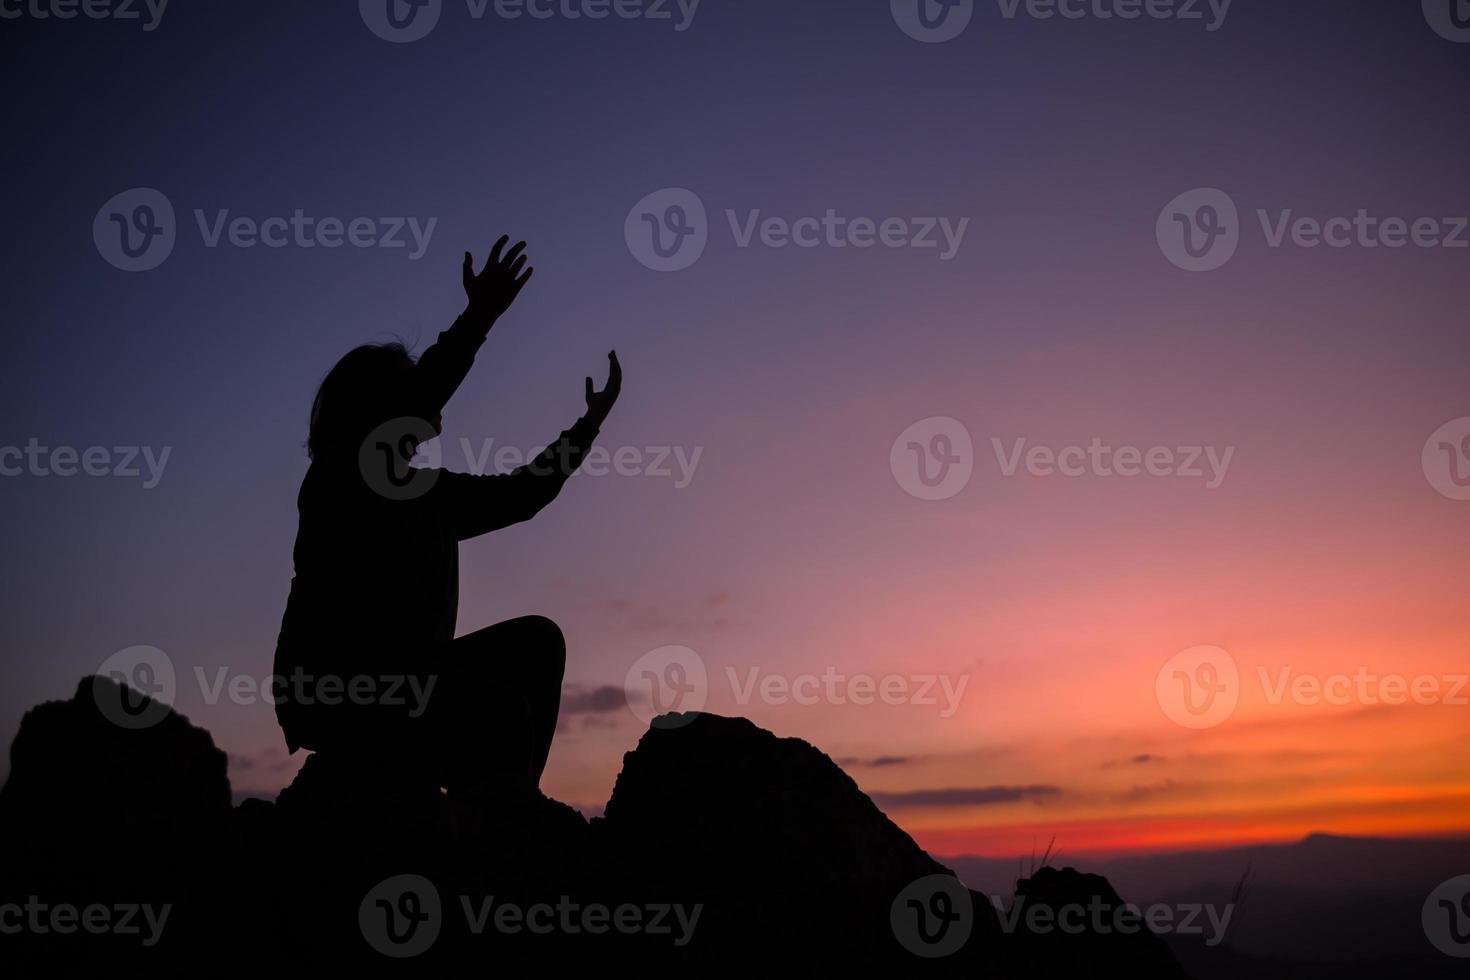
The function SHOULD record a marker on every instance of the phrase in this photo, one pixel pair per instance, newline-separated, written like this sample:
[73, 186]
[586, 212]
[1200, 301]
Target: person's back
[366, 655]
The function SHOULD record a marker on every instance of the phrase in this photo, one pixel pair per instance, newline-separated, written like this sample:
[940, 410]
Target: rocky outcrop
[724, 851]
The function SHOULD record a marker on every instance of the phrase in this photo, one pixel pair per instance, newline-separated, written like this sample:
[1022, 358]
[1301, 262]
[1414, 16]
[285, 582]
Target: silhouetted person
[367, 663]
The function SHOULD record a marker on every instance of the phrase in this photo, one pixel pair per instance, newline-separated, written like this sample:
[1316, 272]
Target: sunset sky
[794, 550]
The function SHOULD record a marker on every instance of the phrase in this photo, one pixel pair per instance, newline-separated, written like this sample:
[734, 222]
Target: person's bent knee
[543, 635]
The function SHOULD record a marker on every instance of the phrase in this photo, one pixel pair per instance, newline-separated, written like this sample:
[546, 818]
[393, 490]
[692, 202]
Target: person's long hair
[355, 397]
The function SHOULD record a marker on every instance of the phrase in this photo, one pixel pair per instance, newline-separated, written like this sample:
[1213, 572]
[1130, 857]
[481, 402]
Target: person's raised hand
[491, 292]
[600, 403]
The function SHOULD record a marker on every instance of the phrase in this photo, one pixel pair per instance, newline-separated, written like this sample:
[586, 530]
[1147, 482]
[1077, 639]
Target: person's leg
[497, 713]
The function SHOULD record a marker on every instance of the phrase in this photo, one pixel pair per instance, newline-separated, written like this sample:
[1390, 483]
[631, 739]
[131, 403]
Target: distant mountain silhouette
[724, 851]
[1325, 906]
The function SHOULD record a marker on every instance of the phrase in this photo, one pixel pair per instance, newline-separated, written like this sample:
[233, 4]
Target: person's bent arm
[480, 504]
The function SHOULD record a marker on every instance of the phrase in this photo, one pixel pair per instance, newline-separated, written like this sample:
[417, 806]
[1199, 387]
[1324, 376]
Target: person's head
[359, 394]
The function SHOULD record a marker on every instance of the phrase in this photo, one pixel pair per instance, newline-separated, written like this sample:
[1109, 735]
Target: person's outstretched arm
[480, 504]
[442, 368]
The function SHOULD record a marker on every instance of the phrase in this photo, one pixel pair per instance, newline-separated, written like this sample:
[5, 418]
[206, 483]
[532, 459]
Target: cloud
[879, 762]
[1142, 759]
[974, 796]
[579, 700]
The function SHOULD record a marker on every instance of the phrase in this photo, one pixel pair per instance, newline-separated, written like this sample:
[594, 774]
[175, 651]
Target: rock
[776, 841]
[1110, 932]
[103, 816]
[724, 851]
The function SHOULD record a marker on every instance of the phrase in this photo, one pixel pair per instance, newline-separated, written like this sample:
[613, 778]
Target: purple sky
[789, 370]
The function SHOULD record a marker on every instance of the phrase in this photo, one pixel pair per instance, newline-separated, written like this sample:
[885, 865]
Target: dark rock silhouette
[723, 851]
